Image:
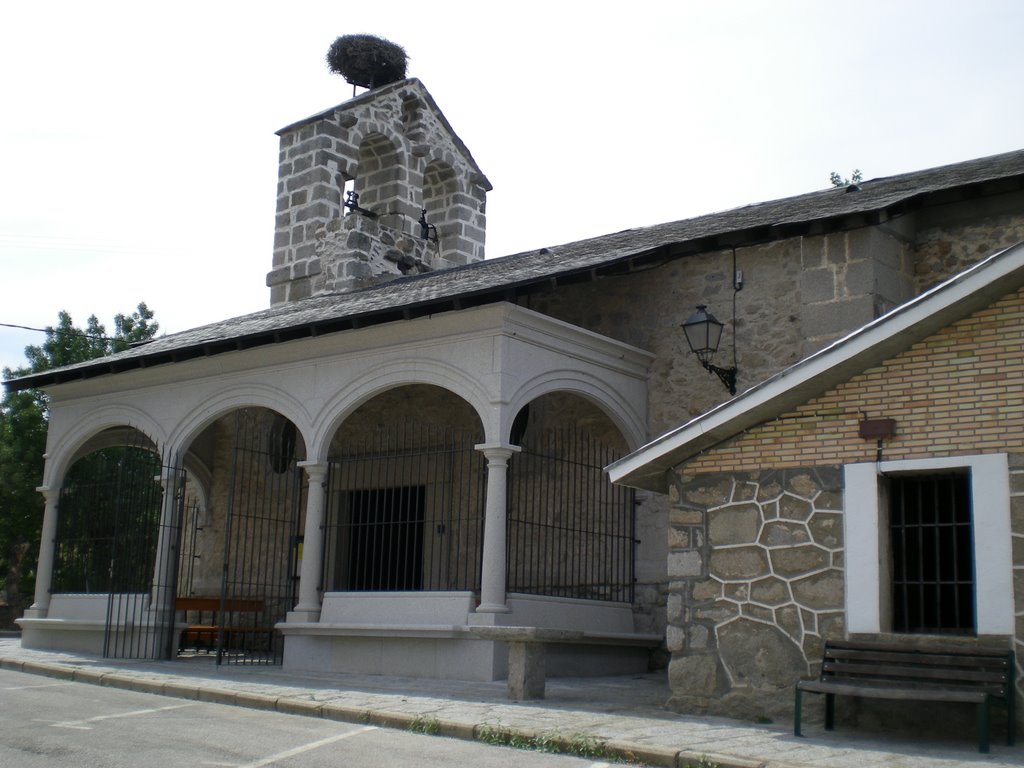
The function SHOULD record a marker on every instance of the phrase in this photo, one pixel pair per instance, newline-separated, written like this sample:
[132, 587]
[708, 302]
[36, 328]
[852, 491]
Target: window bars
[932, 554]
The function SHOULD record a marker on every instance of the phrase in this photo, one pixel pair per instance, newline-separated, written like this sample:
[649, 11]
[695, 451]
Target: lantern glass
[703, 333]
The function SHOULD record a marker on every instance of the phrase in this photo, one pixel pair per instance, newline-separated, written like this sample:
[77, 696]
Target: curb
[629, 752]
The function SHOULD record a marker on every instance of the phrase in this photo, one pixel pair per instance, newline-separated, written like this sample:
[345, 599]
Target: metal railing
[405, 512]
[571, 533]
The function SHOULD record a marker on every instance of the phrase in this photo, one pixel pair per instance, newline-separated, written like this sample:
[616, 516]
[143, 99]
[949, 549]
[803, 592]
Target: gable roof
[506, 278]
[967, 292]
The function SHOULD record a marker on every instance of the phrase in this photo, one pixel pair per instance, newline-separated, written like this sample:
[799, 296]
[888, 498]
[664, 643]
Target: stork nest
[366, 60]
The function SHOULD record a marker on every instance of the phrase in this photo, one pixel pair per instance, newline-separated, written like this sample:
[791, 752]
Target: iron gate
[262, 545]
[571, 533]
[117, 534]
[405, 512]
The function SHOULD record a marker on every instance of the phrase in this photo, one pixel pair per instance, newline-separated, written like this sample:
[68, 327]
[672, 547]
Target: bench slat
[923, 659]
[950, 649]
[887, 692]
[899, 671]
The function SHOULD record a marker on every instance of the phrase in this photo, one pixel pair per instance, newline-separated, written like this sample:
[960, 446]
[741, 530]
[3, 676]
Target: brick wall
[958, 391]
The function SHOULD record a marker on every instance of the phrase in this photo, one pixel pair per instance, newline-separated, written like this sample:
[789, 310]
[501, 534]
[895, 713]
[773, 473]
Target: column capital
[497, 450]
[49, 493]
[315, 470]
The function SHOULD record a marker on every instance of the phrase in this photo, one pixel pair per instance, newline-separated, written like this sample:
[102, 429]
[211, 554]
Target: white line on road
[81, 724]
[31, 687]
[307, 748]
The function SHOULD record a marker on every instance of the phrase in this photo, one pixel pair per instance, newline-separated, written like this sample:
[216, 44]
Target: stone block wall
[849, 279]
[956, 236]
[755, 587]
[394, 148]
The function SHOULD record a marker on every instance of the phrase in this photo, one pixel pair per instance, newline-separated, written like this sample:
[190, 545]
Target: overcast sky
[140, 160]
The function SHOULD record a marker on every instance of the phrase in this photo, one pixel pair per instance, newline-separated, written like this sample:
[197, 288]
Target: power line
[55, 330]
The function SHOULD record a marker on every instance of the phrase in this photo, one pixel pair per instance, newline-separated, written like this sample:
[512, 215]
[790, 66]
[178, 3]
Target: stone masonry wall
[950, 241]
[402, 156]
[756, 586]
[798, 295]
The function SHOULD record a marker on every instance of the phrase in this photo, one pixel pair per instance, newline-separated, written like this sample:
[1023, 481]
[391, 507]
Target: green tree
[839, 181]
[23, 419]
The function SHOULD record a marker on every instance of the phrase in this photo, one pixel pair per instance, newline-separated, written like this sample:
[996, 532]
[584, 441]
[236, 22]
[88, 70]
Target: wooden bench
[916, 673]
[211, 619]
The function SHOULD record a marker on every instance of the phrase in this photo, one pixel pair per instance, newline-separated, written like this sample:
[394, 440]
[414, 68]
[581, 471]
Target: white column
[47, 551]
[308, 608]
[492, 576]
[164, 590]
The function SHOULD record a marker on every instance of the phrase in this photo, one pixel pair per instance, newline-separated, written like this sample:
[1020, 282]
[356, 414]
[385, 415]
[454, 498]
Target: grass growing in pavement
[580, 744]
[430, 726]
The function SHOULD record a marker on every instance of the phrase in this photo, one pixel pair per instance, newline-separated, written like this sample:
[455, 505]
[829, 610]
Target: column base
[36, 613]
[299, 616]
[493, 608]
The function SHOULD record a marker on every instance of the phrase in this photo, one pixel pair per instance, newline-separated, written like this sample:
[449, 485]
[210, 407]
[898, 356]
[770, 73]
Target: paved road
[46, 722]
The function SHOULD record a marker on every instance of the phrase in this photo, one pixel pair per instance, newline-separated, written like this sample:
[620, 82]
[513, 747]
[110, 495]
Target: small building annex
[411, 440]
[873, 490]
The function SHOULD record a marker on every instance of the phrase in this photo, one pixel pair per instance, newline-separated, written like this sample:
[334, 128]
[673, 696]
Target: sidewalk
[624, 713]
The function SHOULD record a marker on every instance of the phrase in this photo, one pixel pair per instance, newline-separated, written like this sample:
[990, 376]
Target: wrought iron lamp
[703, 333]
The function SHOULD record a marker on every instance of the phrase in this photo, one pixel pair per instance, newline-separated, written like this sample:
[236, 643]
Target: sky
[139, 155]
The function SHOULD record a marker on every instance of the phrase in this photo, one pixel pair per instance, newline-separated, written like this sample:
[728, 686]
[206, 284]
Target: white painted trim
[863, 559]
[993, 552]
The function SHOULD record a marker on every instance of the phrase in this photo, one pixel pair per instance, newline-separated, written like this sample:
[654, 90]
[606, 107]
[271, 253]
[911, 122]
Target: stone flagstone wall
[755, 587]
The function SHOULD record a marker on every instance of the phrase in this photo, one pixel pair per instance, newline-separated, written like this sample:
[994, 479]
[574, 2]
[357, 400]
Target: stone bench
[526, 670]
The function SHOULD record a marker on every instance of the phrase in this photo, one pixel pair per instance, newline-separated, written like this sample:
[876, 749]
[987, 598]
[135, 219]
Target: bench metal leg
[830, 711]
[796, 712]
[983, 726]
[1011, 717]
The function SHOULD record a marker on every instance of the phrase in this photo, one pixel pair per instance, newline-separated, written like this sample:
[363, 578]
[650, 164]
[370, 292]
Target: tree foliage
[839, 181]
[23, 419]
[366, 60]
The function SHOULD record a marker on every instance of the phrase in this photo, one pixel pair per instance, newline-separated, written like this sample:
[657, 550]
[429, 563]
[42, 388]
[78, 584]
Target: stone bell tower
[373, 189]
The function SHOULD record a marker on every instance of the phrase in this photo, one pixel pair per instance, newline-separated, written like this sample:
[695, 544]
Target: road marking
[306, 748]
[81, 725]
[30, 687]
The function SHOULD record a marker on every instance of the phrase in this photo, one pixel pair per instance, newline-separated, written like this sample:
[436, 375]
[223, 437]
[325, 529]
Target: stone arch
[404, 492]
[616, 407]
[455, 204]
[411, 402]
[394, 374]
[381, 178]
[250, 395]
[562, 409]
[245, 448]
[99, 426]
[440, 187]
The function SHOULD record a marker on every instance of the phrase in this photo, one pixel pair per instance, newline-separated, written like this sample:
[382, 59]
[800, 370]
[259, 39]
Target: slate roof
[505, 278]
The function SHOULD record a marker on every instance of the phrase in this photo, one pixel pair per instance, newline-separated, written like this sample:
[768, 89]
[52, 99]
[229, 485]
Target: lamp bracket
[726, 375]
